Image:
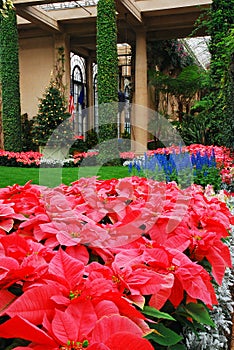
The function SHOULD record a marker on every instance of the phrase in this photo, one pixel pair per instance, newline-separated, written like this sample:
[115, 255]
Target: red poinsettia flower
[25, 260]
[111, 333]
[189, 277]
[25, 199]
[202, 244]
[117, 333]
[60, 333]
[178, 273]
[66, 286]
[7, 217]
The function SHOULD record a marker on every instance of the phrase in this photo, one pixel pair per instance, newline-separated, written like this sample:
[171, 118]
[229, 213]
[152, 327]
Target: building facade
[43, 28]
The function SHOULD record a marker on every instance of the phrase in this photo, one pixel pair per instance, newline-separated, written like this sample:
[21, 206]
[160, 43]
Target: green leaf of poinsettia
[197, 312]
[163, 335]
[151, 311]
[192, 324]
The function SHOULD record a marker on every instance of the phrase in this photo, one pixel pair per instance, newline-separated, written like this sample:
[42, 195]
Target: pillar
[139, 114]
[63, 40]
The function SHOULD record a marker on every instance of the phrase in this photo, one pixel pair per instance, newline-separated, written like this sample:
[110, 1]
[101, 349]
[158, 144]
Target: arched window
[78, 89]
[95, 94]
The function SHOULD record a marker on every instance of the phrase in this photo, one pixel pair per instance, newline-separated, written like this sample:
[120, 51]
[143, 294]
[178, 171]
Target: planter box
[54, 152]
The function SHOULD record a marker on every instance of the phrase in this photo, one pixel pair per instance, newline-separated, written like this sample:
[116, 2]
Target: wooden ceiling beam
[153, 5]
[171, 20]
[129, 7]
[33, 2]
[39, 17]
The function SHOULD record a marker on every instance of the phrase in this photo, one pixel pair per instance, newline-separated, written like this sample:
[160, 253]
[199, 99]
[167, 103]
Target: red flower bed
[223, 157]
[26, 158]
[90, 265]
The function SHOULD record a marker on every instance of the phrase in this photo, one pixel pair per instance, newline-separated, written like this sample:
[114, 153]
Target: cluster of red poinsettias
[84, 259]
[26, 158]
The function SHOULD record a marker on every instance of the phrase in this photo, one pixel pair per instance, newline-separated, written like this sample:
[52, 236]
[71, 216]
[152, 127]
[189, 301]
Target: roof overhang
[161, 19]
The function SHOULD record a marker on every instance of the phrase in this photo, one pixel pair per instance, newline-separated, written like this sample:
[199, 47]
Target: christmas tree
[52, 109]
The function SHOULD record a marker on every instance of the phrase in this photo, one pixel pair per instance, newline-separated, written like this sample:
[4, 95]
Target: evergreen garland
[9, 67]
[107, 56]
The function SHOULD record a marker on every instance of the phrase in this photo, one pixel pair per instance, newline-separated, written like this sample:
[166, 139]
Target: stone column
[140, 111]
[63, 40]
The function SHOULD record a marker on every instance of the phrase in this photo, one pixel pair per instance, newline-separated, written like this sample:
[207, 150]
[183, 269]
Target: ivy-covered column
[1, 133]
[5, 6]
[107, 79]
[220, 28]
[9, 67]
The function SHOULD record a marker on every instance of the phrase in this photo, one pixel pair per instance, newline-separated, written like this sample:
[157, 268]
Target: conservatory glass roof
[198, 48]
[68, 4]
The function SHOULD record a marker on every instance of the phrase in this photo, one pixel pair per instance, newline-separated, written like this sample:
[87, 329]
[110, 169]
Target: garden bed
[130, 262]
[148, 260]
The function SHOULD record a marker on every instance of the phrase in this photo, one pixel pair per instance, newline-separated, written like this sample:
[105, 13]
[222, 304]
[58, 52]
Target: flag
[71, 107]
[81, 96]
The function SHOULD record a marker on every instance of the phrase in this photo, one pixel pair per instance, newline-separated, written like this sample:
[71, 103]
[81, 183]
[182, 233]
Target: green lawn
[53, 177]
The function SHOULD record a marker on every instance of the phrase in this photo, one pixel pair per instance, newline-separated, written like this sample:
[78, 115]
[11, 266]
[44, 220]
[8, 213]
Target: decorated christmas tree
[52, 109]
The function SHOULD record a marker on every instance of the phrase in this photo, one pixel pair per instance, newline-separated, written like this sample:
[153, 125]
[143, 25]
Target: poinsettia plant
[108, 264]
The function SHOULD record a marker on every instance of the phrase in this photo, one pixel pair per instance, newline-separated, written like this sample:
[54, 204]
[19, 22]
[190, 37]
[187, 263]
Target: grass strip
[19, 175]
